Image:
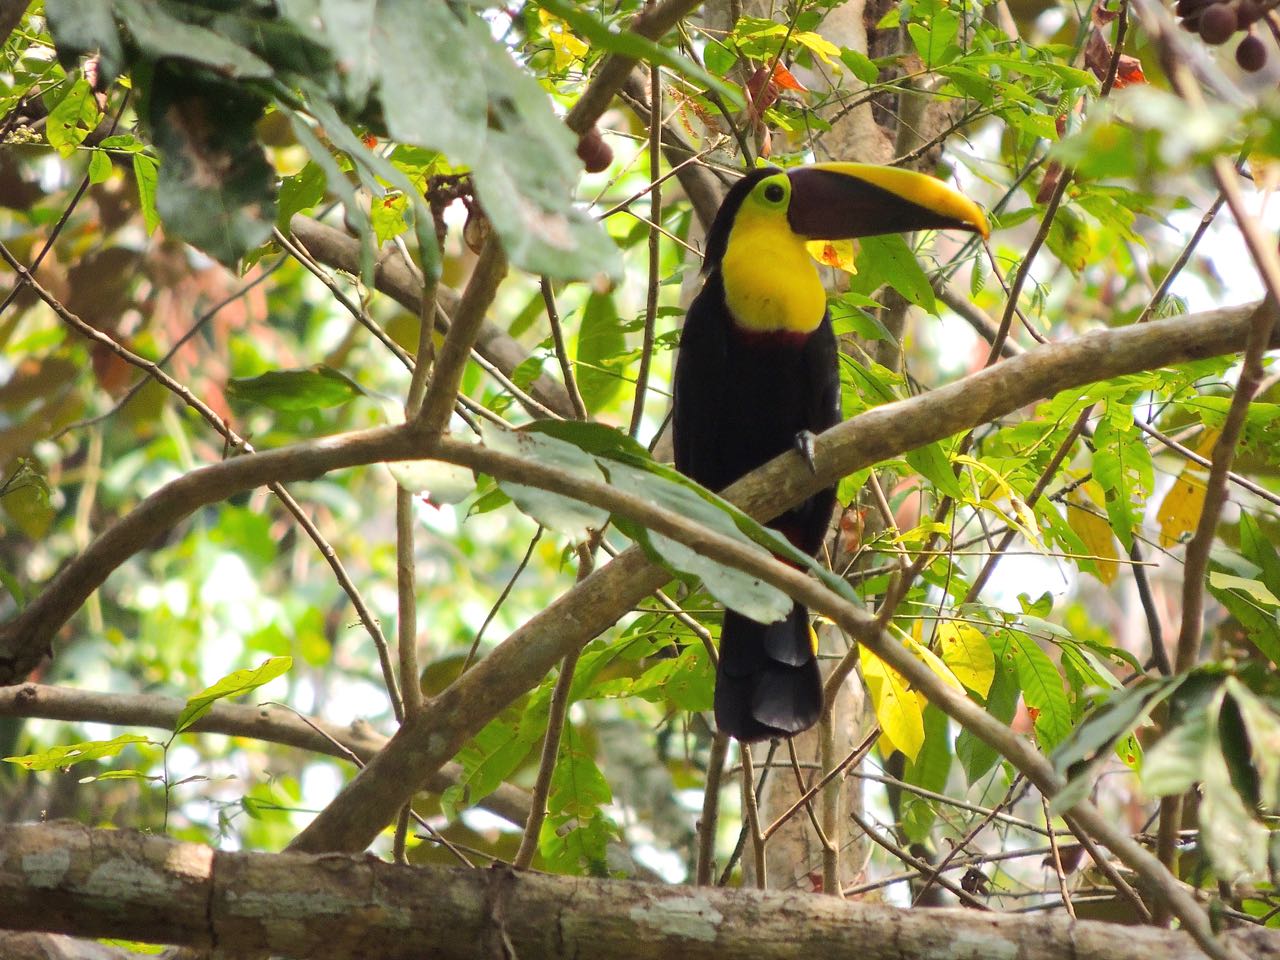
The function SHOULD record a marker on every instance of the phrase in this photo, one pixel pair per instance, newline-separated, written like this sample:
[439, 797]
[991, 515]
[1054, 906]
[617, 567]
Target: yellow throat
[771, 283]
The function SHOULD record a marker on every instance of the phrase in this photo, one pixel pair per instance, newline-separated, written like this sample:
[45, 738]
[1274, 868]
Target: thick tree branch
[266, 723]
[70, 879]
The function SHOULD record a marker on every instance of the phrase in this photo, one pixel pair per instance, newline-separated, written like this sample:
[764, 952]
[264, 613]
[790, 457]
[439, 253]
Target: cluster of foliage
[158, 157]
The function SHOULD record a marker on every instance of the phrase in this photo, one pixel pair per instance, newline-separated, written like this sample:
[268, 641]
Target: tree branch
[266, 723]
[119, 883]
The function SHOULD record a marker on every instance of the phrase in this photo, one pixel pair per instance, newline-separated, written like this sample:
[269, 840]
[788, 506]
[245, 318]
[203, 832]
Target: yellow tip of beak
[920, 189]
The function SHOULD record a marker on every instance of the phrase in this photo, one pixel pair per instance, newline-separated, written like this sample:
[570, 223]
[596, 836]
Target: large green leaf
[232, 685]
[313, 389]
[550, 509]
[59, 758]
[601, 343]
[161, 33]
[445, 83]
[737, 590]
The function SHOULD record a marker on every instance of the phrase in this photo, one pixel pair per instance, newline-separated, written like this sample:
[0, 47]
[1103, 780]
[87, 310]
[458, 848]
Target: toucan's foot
[804, 447]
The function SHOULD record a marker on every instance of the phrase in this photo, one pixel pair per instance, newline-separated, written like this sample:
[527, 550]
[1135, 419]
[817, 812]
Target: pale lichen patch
[689, 917]
[46, 869]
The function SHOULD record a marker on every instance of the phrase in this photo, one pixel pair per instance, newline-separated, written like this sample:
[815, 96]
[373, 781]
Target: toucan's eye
[774, 193]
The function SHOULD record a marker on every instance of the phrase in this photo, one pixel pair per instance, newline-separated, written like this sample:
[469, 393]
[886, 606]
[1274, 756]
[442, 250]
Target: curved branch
[266, 723]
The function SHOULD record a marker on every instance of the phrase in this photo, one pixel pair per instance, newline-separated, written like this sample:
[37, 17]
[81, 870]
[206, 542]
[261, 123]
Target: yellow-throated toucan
[757, 375]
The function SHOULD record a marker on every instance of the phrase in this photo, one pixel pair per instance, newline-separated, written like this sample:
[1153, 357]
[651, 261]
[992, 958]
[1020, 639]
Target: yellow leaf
[1180, 510]
[819, 44]
[966, 651]
[567, 47]
[930, 660]
[1084, 509]
[897, 707]
[840, 254]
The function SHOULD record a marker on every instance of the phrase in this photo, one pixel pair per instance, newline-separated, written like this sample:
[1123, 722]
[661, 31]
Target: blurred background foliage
[381, 122]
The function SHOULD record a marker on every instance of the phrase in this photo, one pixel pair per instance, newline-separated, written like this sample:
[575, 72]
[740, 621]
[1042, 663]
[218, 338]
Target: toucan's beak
[840, 201]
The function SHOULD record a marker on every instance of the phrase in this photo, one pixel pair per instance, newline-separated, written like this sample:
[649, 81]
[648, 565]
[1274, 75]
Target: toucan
[757, 375]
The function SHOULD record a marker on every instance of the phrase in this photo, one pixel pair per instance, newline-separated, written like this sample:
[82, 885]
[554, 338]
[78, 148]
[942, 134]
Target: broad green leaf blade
[600, 351]
[440, 482]
[929, 770]
[1042, 690]
[737, 590]
[161, 35]
[79, 28]
[975, 755]
[549, 509]
[232, 685]
[316, 388]
[58, 758]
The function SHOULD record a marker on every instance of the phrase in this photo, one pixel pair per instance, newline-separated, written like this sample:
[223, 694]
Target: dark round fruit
[1218, 23]
[1186, 8]
[595, 154]
[1190, 24]
[1252, 53]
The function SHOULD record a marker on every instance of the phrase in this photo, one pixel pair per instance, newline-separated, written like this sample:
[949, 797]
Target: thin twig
[705, 870]
[1057, 861]
[655, 250]
[752, 816]
[562, 353]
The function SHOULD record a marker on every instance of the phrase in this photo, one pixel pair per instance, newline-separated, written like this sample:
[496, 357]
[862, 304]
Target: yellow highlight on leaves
[966, 652]
[1085, 516]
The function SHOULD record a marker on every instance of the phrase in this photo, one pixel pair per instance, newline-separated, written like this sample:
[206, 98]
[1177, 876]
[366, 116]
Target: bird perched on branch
[757, 376]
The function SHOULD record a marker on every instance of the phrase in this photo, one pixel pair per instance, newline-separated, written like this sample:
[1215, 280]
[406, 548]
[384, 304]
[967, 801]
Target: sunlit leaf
[58, 758]
[968, 654]
[232, 685]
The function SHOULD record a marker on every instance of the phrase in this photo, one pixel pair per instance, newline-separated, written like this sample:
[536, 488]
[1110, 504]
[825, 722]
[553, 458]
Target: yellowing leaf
[966, 651]
[1086, 519]
[820, 45]
[567, 47]
[931, 660]
[840, 254]
[897, 707]
[1180, 510]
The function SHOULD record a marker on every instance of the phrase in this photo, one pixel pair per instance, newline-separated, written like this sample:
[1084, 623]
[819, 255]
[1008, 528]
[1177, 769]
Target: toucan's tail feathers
[767, 684]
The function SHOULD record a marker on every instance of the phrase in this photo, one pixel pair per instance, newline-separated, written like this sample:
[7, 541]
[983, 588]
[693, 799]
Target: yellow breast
[770, 281]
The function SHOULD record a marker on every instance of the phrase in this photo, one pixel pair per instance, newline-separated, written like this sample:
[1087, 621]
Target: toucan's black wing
[701, 376]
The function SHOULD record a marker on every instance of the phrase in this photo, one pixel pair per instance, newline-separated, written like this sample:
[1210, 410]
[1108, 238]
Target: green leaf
[447, 84]
[631, 44]
[1122, 466]
[860, 65]
[975, 756]
[99, 166]
[1042, 689]
[1254, 588]
[929, 770]
[301, 191]
[1259, 549]
[888, 259]
[73, 118]
[161, 35]
[232, 685]
[737, 590]
[549, 509]
[58, 758]
[316, 388]
[1257, 617]
[1262, 725]
[144, 172]
[932, 462]
[599, 359]
[80, 28]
